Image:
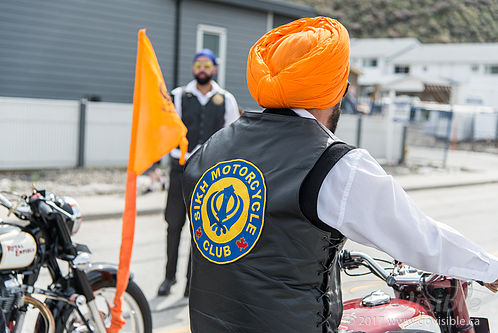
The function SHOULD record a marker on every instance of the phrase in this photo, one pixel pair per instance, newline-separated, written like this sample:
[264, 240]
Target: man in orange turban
[272, 198]
[304, 64]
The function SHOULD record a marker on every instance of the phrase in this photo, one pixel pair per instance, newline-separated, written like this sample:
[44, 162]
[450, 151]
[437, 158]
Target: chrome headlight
[72, 207]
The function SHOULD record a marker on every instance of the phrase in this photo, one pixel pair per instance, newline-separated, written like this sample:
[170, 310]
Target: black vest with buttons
[202, 121]
[289, 281]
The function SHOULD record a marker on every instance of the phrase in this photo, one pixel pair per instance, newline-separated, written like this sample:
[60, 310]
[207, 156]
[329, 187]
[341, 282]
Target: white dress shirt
[231, 107]
[368, 206]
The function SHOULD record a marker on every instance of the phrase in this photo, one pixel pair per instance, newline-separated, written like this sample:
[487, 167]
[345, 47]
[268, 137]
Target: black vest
[202, 121]
[289, 280]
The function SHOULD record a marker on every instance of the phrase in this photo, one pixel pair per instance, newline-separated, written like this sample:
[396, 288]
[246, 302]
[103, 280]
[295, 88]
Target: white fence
[380, 135]
[108, 130]
[37, 134]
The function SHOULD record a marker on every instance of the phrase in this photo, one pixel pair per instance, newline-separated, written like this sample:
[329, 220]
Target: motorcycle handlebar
[5, 202]
[43, 209]
[355, 259]
[23, 211]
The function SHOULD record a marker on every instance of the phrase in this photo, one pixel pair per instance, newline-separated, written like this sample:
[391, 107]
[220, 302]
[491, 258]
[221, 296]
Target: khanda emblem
[227, 210]
[224, 209]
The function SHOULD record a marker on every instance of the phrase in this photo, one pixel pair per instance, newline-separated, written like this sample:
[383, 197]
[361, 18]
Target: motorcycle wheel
[136, 310]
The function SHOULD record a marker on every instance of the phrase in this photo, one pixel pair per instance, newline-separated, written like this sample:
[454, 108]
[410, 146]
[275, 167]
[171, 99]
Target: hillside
[431, 21]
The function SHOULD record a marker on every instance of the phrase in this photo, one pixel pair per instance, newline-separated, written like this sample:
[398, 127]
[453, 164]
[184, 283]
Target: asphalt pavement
[463, 168]
[472, 210]
[170, 314]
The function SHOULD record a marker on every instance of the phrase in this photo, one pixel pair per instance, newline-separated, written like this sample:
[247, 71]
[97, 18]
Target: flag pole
[156, 130]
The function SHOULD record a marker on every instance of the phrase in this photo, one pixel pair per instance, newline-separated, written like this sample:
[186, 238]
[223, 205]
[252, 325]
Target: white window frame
[221, 60]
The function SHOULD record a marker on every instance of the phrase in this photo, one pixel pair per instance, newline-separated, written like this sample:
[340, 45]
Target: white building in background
[397, 66]
[374, 56]
[470, 68]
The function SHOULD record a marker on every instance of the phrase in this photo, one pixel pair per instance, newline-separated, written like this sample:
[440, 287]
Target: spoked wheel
[34, 309]
[136, 311]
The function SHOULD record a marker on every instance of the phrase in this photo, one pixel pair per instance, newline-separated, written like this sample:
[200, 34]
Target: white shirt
[231, 107]
[368, 206]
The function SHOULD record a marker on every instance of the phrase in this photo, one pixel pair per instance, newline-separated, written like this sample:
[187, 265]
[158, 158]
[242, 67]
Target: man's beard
[202, 80]
[334, 117]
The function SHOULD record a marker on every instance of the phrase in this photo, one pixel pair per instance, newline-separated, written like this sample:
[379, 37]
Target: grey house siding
[243, 26]
[279, 20]
[66, 49]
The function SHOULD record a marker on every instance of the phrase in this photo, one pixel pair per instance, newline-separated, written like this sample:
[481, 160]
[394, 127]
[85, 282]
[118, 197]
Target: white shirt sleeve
[366, 205]
[177, 100]
[231, 109]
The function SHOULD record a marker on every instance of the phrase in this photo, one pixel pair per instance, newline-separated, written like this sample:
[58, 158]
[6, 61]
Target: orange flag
[156, 130]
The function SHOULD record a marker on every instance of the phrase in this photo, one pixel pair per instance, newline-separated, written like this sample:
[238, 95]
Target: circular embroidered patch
[227, 210]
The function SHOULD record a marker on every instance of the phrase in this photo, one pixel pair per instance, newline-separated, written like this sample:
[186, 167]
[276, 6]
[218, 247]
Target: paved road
[472, 210]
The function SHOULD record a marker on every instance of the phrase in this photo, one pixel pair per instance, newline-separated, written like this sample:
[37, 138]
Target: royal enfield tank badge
[227, 210]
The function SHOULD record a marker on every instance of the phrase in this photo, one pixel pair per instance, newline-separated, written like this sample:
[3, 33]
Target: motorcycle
[423, 302]
[78, 297]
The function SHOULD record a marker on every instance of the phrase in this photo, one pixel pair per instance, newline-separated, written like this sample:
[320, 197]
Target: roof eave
[275, 6]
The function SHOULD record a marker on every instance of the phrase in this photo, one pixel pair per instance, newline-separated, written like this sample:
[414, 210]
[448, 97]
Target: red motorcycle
[424, 302]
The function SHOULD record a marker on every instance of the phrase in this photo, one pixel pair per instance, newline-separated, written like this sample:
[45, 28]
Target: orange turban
[303, 64]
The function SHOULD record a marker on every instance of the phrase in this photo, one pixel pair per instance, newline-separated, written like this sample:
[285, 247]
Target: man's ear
[215, 70]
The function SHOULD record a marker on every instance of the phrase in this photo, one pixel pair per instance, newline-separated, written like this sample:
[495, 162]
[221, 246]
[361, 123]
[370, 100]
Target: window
[401, 69]
[215, 39]
[372, 62]
[492, 69]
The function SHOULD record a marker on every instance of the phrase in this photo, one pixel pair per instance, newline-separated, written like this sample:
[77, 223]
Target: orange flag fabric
[156, 130]
[302, 64]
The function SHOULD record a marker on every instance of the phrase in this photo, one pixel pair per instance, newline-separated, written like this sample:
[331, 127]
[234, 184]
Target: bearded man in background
[204, 108]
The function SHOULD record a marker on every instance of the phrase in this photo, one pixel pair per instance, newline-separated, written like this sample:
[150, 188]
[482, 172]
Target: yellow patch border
[262, 215]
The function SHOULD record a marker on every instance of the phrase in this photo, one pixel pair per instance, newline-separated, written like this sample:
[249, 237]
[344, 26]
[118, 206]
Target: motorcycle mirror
[50, 196]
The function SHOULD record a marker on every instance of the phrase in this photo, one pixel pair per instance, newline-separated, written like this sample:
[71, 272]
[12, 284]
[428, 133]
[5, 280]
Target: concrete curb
[412, 188]
[116, 215]
[440, 186]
